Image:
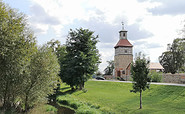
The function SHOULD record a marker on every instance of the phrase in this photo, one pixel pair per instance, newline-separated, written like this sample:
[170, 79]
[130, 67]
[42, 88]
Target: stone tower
[123, 56]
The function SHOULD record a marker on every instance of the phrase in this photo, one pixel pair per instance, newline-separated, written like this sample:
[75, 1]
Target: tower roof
[123, 43]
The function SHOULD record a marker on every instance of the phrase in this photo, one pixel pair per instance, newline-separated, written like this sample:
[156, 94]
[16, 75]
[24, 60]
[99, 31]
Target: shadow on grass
[64, 88]
[61, 92]
[66, 92]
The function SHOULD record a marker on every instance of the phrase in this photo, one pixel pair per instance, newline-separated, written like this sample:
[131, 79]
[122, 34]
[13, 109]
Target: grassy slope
[116, 97]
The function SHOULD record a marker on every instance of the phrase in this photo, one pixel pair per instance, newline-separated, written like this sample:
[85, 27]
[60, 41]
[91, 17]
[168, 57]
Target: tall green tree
[139, 72]
[60, 51]
[82, 57]
[17, 45]
[166, 60]
[173, 60]
[27, 74]
[109, 69]
[41, 78]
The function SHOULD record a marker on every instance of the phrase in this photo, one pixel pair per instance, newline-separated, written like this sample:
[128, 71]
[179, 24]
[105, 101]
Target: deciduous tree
[82, 57]
[139, 72]
[173, 60]
[41, 78]
[109, 69]
[17, 44]
[27, 74]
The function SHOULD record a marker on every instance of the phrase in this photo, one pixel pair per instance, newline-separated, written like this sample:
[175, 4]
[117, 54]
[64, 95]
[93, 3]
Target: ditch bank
[62, 109]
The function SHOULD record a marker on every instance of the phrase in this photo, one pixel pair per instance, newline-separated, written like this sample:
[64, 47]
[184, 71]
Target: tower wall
[123, 66]
[122, 61]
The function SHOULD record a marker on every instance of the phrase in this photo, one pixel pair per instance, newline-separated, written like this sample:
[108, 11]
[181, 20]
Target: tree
[139, 72]
[98, 73]
[27, 73]
[17, 45]
[109, 69]
[166, 60]
[60, 51]
[41, 78]
[82, 58]
[173, 60]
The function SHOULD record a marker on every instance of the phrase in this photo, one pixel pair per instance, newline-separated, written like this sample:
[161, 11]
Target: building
[155, 67]
[123, 56]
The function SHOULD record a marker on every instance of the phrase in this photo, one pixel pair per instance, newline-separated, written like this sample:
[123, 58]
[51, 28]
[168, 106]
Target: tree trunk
[81, 85]
[140, 99]
[5, 96]
[72, 88]
[26, 104]
[76, 87]
[4, 100]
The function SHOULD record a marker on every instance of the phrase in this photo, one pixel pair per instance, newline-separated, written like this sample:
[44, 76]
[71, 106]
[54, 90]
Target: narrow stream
[61, 109]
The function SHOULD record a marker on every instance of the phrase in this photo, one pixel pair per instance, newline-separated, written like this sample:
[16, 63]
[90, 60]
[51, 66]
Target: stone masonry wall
[174, 78]
[122, 61]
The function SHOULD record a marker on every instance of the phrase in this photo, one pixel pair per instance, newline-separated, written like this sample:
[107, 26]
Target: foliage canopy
[109, 69]
[27, 73]
[173, 60]
[81, 59]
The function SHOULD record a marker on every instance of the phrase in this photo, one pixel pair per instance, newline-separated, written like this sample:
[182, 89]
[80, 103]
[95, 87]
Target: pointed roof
[123, 43]
[154, 66]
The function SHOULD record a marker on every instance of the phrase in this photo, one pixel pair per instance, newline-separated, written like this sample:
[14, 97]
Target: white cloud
[149, 31]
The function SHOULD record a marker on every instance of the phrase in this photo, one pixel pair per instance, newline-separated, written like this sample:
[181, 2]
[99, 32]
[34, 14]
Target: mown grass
[115, 97]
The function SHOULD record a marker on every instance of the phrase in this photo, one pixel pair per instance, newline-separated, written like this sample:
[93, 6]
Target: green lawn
[115, 97]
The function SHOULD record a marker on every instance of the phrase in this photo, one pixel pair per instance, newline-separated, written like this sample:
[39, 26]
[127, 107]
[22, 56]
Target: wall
[122, 61]
[174, 78]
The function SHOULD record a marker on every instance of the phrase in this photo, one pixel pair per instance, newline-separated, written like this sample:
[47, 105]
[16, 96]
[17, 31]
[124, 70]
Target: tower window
[125, 51]
[124, 34]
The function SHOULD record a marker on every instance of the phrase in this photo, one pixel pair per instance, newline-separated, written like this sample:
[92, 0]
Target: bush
[118, 78]
[64, 102]
[155, 76]
[74, 105]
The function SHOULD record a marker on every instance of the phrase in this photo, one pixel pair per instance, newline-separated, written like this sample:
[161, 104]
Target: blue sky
[151, 24]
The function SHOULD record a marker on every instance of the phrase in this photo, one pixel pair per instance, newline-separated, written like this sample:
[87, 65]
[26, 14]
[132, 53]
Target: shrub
[74, 105]
[118, 78]
[64, 102]
[155, 76]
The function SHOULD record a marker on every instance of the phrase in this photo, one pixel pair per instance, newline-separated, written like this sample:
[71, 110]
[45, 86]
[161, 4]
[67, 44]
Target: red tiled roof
[123, 42]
